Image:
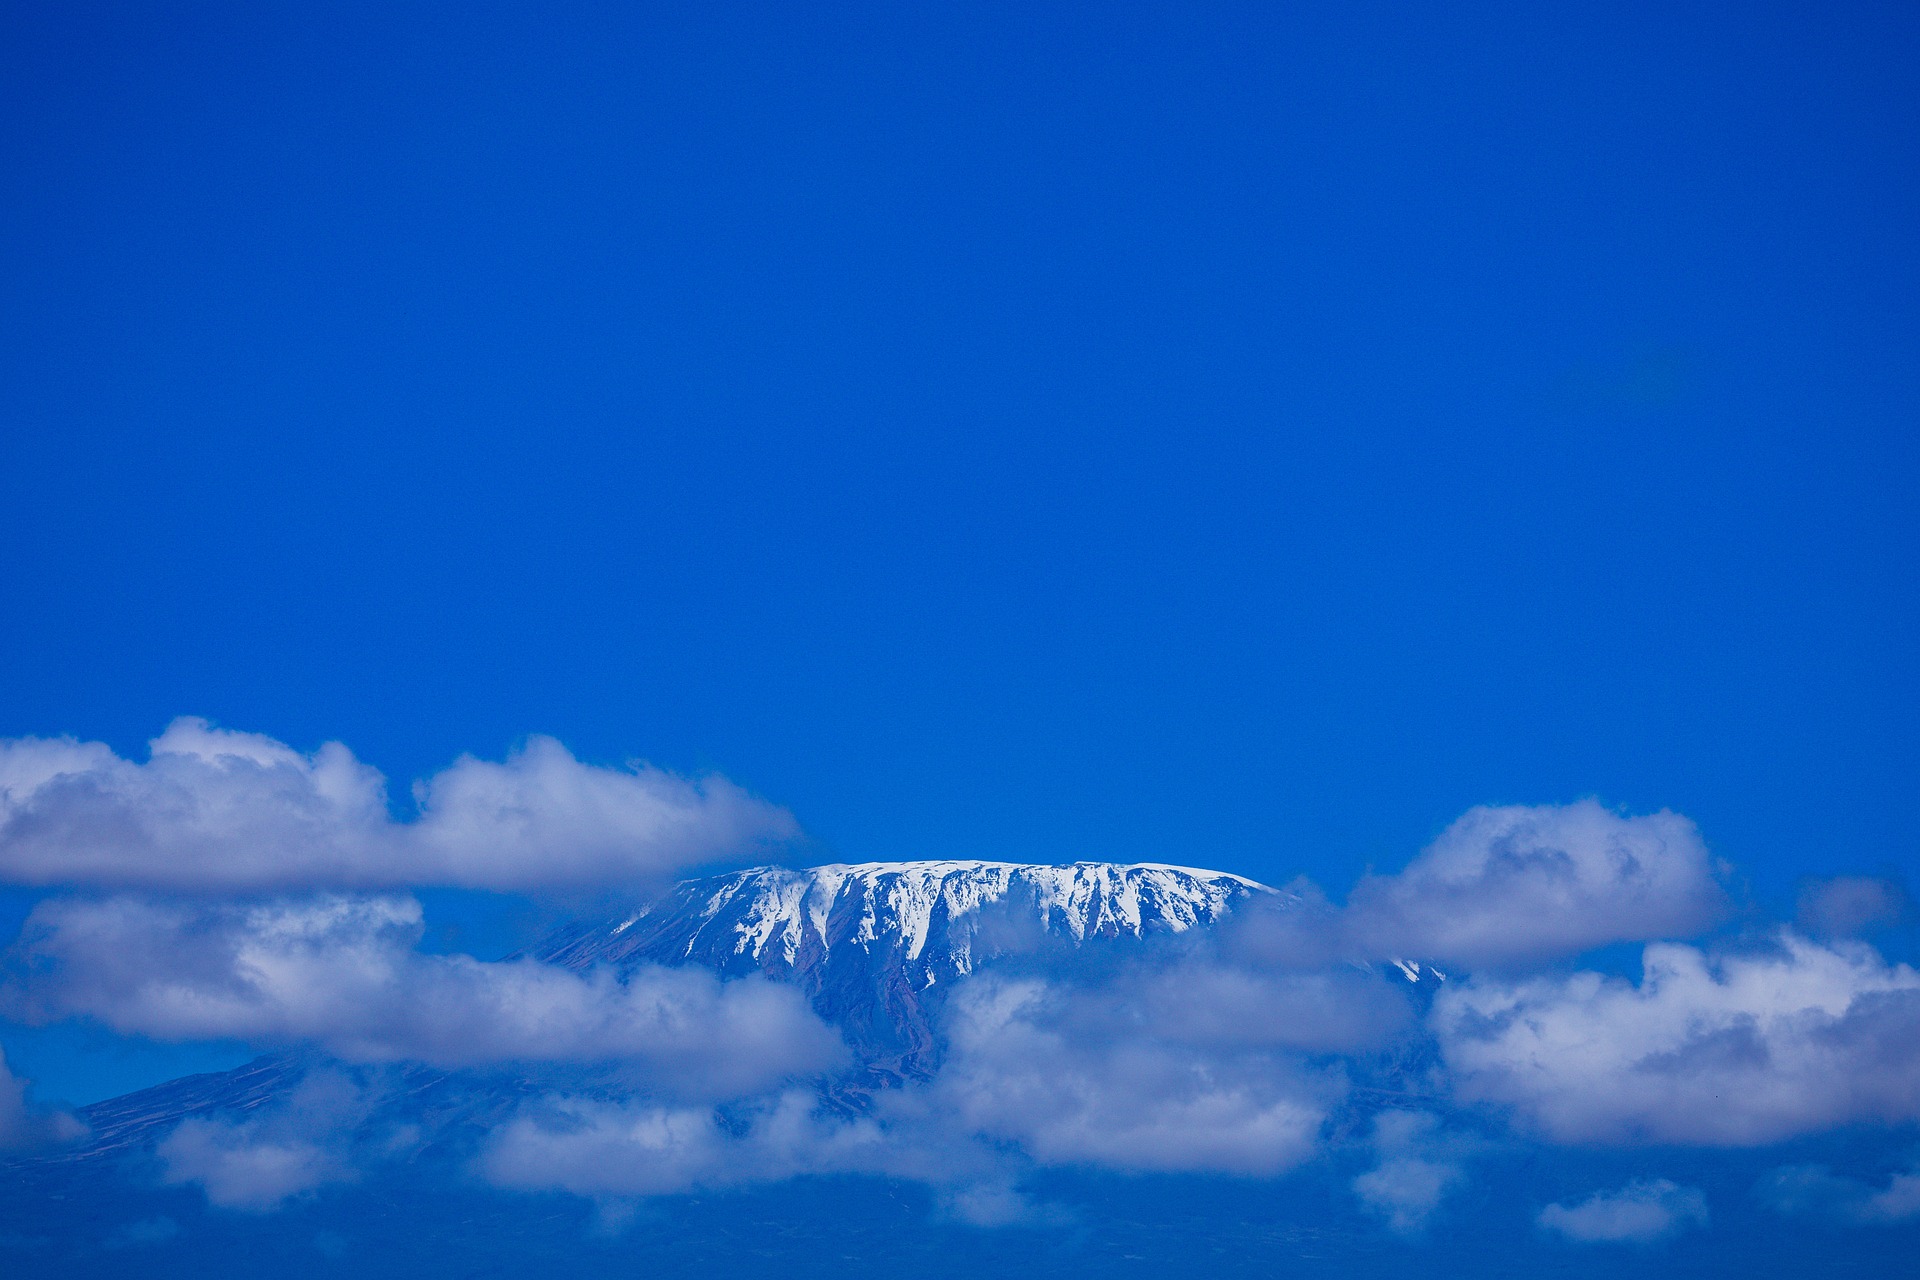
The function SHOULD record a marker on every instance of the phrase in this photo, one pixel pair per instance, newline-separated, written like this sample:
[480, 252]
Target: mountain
[875, 947]
[872, 944]
[927, 916]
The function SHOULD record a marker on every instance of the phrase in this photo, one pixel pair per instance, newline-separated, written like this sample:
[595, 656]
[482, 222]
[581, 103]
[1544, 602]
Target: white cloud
[1733, 1050]
[618, 1151]
[258, 1163]
[1017, 1070]
[1638, 1213]
[1800, 1189]
[239, 1168]
[341, 972]
[1518, 884]
[1418, 1166]
[642, 1148]
[219, 811]
[1223, 1057]
[601, 1149]
[1033, 1074]
[1405, 1190]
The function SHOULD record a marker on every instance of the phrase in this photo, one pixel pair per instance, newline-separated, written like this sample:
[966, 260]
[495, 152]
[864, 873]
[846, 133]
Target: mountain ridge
[873, 946]
[866, 941]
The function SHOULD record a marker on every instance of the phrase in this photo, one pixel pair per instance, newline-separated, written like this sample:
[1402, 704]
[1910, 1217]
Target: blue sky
[1211, 433]
[1242, 436]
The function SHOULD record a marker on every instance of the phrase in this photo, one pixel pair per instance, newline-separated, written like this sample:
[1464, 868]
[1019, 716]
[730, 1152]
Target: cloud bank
[1027, 1083]
[230, 887]
[215, 811]
[342, 973]
[1022, 1070]
[1731, 1049]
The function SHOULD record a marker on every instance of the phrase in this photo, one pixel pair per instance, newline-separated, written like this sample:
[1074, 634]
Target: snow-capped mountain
[871, 943]
[875, 947]
[935, 918]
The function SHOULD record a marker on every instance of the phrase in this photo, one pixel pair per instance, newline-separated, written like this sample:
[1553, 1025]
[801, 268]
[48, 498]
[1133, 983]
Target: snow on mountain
[875, 946]
[867, 941]
[927, 915]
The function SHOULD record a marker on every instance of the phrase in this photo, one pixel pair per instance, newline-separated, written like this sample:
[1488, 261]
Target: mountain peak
[866, 940]
[917, 910]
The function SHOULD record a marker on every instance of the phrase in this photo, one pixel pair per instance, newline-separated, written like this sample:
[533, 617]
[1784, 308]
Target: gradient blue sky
[1241, 435]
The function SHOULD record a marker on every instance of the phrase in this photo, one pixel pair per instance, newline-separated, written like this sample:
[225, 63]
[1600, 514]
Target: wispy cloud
[24, 1127]
[1816, 1189]
[1418, 1166]
[257, 1163]
[1851, 906]
[637, 1148]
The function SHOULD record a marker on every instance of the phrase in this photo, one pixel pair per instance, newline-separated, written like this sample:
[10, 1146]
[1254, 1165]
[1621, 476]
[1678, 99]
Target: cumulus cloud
[1732, 1049]
[1034, 1073]
[342, 972]
[1020, 1070]
[1816, 1189]
[1417, 1167]
[1518, 884]
[219, 811]
[1638, 1213]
